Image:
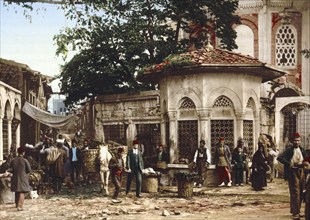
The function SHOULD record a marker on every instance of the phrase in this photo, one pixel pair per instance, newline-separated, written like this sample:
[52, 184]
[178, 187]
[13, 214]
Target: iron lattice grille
[286, 46]
[248, 136]
[290, 122]
[149, 135]
[303, 127]
[222, 128]
[187, 138]
[167, 125]
[223, 101]
[115, 133]
[5, 135]
[187, 103]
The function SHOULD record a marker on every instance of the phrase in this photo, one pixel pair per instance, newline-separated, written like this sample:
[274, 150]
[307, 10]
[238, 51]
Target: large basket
[149, 184]
[161, 165]
[90, 160]
[185, 188]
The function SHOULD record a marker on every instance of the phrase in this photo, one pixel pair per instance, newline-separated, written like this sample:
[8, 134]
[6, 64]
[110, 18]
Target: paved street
[207, 203]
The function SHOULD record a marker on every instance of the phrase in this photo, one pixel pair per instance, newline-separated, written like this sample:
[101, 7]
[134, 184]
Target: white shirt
[135, 151]
[208, 156]
[297, 156]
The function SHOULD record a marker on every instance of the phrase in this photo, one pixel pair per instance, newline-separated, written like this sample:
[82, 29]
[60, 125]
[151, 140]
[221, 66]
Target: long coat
[286, 156]
[20, 168]
[259, 163]
[131, 162]
[58, 167]
[227, 155]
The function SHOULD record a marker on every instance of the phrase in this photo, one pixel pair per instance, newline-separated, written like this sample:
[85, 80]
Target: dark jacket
[78, 155]
[131, 162]
[164, 157]
[238, 160]
[115, 167]
[286, 156]
[20, 168]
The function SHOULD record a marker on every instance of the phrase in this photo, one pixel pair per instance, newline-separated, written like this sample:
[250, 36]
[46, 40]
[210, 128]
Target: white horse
[104, 157]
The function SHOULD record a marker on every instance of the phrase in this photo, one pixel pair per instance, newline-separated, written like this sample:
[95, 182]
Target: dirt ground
[86, 202]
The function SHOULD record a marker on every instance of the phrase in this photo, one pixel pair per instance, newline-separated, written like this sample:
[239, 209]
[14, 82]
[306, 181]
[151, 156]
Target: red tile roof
[211, 60]
[217, 56]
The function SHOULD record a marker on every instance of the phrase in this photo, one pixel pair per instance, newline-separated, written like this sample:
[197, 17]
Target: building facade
[275, 32]
[10, 117]
[33, 88]
[243, 97]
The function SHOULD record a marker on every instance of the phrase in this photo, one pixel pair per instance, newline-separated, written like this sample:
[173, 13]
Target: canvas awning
[51, 120]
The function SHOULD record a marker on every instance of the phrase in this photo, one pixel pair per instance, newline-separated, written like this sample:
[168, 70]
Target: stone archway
[292, 115]
[6, 128]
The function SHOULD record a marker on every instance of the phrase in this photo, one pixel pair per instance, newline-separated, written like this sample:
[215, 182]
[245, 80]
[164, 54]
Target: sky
[31, 42]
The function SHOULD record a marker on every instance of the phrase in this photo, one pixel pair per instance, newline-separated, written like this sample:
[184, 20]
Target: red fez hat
[135, 142]
[20, 150]
[296, 135]
[221, 139]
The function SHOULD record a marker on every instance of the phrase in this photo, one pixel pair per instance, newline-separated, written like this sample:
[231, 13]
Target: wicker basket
[185, 188]
[90, 160]
[149, 184]
[161, 165]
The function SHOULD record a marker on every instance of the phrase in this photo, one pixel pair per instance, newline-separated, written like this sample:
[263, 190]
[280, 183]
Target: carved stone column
[173, 139]
[10, 133]
[240, 113]
[204, 117]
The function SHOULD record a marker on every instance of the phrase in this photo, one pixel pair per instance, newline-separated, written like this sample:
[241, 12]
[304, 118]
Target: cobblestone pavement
[207, 203]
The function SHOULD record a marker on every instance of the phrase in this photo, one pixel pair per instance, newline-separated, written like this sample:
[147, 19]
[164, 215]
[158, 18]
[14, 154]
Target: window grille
[5, 135]
[303, 126]
[187, 103]
[286, 46]
[167, 125]
[149, 135]
[248, 135]
[223, 101]
[115, 133]
[187, 138]
[222, 129]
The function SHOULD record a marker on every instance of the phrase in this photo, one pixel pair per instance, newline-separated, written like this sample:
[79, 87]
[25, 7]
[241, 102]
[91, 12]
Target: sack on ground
[52, 156]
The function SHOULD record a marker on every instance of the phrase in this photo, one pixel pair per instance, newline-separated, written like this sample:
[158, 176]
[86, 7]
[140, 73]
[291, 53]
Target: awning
[51, 120]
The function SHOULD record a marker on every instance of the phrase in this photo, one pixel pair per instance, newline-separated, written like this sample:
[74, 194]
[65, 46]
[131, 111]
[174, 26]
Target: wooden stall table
[173, 168]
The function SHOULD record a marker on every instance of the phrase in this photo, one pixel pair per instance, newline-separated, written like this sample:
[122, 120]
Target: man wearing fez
[222, 159]
[292, 158]
[134, 167]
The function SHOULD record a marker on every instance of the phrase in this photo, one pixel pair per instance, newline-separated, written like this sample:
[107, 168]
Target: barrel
[90, 160]
[149, 184]
[185, 188]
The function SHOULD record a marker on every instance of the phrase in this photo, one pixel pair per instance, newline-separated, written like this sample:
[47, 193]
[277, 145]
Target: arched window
[286, 46]
[223, 101]
[187, 103]
[245, 40]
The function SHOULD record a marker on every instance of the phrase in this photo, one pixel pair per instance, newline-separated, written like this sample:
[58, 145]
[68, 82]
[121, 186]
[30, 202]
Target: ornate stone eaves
[240, 113]
[251, 4]
[206, 113]
[172, 115]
